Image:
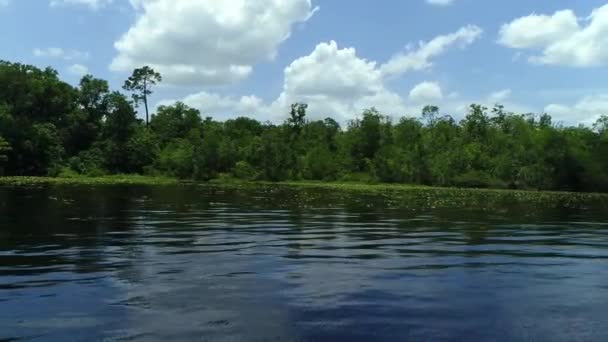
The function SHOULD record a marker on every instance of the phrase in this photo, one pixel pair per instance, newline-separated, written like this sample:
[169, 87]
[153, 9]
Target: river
[188, 262]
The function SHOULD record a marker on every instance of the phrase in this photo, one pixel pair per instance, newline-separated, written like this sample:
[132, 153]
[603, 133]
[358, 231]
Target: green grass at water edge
[384, 187]
[438, 193]
[431, 195]
[104, 180]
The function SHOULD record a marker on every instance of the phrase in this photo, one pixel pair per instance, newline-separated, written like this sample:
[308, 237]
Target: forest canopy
[50, 128]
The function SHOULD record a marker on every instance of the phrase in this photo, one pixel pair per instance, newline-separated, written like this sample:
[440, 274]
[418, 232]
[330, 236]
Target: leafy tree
[273, 156]
[173, 122]
[207, 155]
[90, 162]
[244, 170]
[83, 124]
[120, 126]
[92, 97]
[320, 164]
[35, 95]
[43, 151]
[176, 159]
[140, 83]
[46, 126]
[120, 118]
[476, 124]
[34, 109]
[601, 124]
[365, 138]
[4, 149]
[296, 118]
[241, 141]
[142, 149]
[430, 114]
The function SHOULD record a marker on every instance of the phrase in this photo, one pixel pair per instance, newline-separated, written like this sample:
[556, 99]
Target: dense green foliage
[4, 149]
[48, 128]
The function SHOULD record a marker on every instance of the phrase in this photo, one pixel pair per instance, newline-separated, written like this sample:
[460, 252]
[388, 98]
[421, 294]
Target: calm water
[197, 263]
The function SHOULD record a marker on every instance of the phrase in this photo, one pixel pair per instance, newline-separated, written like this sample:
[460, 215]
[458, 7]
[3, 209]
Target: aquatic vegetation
[104, 180]
[306, 193]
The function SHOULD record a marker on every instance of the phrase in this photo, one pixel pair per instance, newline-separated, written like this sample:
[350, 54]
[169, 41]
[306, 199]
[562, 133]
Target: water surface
[201, 263]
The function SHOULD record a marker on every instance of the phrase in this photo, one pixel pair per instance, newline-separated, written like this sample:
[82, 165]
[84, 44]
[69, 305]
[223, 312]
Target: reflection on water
[192, 263]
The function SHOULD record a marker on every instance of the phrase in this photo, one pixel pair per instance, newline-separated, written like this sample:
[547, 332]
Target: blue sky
[245, 57]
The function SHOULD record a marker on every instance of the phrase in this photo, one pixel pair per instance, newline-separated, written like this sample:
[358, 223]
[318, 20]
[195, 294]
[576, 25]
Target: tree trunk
[146, 101]
[146, 105]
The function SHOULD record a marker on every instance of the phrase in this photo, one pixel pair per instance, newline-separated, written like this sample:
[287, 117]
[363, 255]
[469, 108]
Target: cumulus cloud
[207, 42]
[561, 38]
[334, 72]
[535, 31]
[335, 81]
[78, 70]
[93, 4]
[426, 92]
[587, 110]
[459, 107]
[55, 52]
[440, 2]
[211, 104]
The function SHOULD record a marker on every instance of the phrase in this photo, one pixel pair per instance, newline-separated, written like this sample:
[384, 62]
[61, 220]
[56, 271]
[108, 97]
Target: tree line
[48, 127]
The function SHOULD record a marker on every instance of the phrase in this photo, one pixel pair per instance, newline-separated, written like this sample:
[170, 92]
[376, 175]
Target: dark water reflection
[198, 263]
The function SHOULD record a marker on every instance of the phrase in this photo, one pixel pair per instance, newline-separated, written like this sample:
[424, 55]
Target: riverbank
[378, 188]
[453, 196]
[104, 180]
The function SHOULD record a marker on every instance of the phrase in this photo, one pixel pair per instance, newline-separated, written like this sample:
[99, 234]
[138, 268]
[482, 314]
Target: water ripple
[193, 263]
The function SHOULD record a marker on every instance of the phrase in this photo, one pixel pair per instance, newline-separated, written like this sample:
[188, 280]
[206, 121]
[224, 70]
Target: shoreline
[375, 188]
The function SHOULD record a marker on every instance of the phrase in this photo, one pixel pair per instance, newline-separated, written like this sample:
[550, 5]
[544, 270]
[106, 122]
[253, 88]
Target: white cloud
[207, 42]
[78, 69]
[536, 31]
[458, 106]
[426, 92]
[222, 107]
[55, 52]
[336, 82]
[420, 58]
[561, 38]
[499, 96]
[587, 110]
[332, 81]
[320, 106]
[93, 4]
[440, 2]
[333, 72]
[504, 97]
[49, 52]
[137, 4]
